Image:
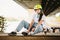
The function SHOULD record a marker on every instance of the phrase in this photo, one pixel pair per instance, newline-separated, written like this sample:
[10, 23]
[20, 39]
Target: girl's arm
[40, 22]
[30, 25]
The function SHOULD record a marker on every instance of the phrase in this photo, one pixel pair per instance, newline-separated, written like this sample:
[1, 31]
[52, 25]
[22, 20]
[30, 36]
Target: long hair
[41, 14]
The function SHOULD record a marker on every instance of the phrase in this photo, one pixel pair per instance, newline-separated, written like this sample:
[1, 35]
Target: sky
[9, 8]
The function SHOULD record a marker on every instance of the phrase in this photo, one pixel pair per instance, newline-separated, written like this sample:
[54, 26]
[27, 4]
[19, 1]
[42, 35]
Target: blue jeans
[26, 25]
[38, 29]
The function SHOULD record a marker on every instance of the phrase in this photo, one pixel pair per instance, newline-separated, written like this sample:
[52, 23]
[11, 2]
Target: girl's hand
[33, 29]
[28, 31]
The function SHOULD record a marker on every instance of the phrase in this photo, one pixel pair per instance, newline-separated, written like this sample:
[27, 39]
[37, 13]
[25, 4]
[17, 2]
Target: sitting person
[36, 24]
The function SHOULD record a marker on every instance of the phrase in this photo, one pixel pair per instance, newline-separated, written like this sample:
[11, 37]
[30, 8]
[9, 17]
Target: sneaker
[12, 34]
[25, 33]
[31, 33]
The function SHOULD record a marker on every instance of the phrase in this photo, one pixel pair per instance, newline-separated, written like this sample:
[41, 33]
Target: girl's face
[38, 11]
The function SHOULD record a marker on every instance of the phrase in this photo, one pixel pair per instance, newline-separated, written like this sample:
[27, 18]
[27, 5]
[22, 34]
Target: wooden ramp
[48, 36]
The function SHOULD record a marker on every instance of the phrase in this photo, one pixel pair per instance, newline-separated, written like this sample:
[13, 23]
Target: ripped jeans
[26, 25]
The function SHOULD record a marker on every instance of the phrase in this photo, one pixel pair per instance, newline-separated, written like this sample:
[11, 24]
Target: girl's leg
[38, 29]
[21, 25]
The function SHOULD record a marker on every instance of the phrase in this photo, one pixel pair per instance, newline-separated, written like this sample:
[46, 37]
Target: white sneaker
[31, 33]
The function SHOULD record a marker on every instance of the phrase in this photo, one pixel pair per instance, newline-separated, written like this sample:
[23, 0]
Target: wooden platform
[48, 36]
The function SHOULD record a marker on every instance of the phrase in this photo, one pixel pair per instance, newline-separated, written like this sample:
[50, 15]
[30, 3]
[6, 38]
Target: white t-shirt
[36, 17]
